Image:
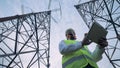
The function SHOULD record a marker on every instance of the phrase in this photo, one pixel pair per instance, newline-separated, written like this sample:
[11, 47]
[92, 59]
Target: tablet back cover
[96, 32]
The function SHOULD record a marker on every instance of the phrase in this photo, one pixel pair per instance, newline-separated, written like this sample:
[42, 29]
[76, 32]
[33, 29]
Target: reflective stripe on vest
[78, 58]
[75, 59]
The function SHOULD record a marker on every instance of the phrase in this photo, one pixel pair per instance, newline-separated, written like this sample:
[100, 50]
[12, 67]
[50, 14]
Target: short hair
[70, 31]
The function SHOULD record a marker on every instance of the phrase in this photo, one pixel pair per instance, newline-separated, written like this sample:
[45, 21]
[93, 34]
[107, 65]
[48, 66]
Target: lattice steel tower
[106, 13]
[25, 40]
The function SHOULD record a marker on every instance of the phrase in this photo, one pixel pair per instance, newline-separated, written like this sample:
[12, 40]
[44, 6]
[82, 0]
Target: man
[76, 54]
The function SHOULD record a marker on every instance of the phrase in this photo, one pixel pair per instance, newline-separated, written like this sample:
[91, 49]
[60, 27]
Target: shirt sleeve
[63, 48]
[97, 53]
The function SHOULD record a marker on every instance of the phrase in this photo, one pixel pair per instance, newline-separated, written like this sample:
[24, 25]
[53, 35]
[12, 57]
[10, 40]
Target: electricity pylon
[106, 13]
[25, 40]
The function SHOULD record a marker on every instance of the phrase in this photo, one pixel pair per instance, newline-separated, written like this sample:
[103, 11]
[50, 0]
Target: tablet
[96, 32]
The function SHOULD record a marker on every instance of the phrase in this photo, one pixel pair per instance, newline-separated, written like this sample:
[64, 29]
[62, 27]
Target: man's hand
[103, 42]
[86, 41]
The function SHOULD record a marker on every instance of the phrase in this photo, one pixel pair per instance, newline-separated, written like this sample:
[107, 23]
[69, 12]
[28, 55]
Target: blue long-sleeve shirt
[64, 49]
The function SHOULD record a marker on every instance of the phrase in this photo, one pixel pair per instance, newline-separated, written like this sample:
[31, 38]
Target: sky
[65, 17]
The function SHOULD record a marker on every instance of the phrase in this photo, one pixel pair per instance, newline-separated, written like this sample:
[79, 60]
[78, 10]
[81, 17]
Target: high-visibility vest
[77, 59]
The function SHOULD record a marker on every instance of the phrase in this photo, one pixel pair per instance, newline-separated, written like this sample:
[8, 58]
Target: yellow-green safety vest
[77, 59]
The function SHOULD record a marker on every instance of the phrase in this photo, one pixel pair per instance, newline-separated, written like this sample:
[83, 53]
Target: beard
[72, 38]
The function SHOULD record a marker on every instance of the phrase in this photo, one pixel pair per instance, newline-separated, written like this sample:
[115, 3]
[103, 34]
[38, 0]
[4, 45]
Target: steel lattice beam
[25, 40]
[106, 13]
